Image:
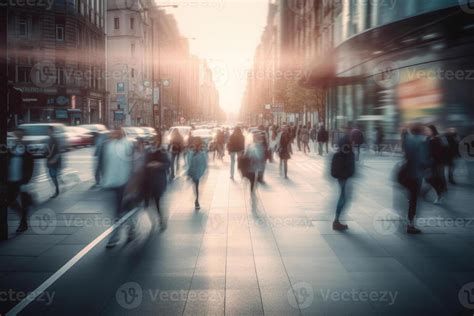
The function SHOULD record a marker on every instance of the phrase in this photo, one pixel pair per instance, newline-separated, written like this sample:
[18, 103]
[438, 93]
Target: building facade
[56, 58]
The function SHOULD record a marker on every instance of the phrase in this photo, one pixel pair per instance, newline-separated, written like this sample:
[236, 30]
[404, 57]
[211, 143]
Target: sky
[226, 34]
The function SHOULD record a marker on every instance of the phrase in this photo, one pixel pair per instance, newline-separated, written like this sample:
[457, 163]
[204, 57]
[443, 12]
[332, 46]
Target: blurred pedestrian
[343, 168]
[358, 140]
[236, 147]
[305, 139]
[379, 139]
[197, 167]
[285, 151]
[117, 170]
[412, 172]
[313, 135]
[176, 147]
[20, 172]
[53, 160]
[157, 164]
[100, 139]
[438, 151]
[262, 137]
[453, 140]
[298, 137]
[323, 138]
[255, 153]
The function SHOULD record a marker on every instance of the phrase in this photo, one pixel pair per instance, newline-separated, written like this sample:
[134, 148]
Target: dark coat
[156, 178]
[236, 143]
[27, 166]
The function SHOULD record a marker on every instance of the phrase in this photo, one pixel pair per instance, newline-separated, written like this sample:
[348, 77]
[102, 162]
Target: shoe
[197, 206]
[412, 230]
[338, 226]
[23, 227]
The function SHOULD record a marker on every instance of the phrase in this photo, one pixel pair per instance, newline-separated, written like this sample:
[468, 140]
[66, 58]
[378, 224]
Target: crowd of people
[139, 171]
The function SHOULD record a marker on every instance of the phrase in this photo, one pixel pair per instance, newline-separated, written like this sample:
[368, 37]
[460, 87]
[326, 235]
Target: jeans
[53, 173]
[414, 187]
[232, 163]
[174, 164]
[343, 197]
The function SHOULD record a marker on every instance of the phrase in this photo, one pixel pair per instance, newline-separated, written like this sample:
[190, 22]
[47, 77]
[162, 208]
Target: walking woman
[197, 166]
[255, 155]
[305, 139]
[176, 147]
[157, 165]
[285, 150]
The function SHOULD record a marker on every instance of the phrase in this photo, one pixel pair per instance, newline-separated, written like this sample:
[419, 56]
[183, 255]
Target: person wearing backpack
[343, 168]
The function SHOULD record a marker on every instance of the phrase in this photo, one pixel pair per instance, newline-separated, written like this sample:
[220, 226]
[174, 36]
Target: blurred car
[37, 138]
[183, 130]
[206, 136]
[95, 129]
[133, 133]
[80, 136]
[150, 134]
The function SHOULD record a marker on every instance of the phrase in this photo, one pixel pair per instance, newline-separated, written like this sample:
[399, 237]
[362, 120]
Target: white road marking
[46, 284]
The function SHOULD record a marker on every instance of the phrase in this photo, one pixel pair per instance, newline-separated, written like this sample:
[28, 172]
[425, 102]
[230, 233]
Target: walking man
[53, 160]
[236, 147]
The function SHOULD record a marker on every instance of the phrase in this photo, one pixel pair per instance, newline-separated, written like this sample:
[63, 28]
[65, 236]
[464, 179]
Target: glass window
[23, 74]
[23, 27]
[117, 23]
[132, 23]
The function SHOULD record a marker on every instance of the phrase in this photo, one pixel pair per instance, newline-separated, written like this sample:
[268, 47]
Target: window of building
[117, 23]
[59, 32]
[132, 23]
[61, 78]
[23, 27]
[133, 73]
[132, 49]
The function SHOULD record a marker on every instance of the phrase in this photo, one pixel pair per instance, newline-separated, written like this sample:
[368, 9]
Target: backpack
[343, 165]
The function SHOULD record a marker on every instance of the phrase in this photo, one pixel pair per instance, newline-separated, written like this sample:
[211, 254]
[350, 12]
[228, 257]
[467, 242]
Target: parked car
[37, 137]
[150, 133]
[80, 136]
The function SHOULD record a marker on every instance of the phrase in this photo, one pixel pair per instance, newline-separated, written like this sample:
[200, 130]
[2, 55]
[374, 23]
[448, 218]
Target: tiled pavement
[272, 253]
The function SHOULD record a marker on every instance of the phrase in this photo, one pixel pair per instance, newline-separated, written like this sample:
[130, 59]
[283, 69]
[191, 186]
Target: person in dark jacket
[20, 172]
[322, 138]
[53, 160]
[345, 168]
[236, 147]
[379, 138]
[416, 163]
[357, 138]
[176, 146]
[453, 140]
[157, 164]
[437, 154]
[285, 151]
